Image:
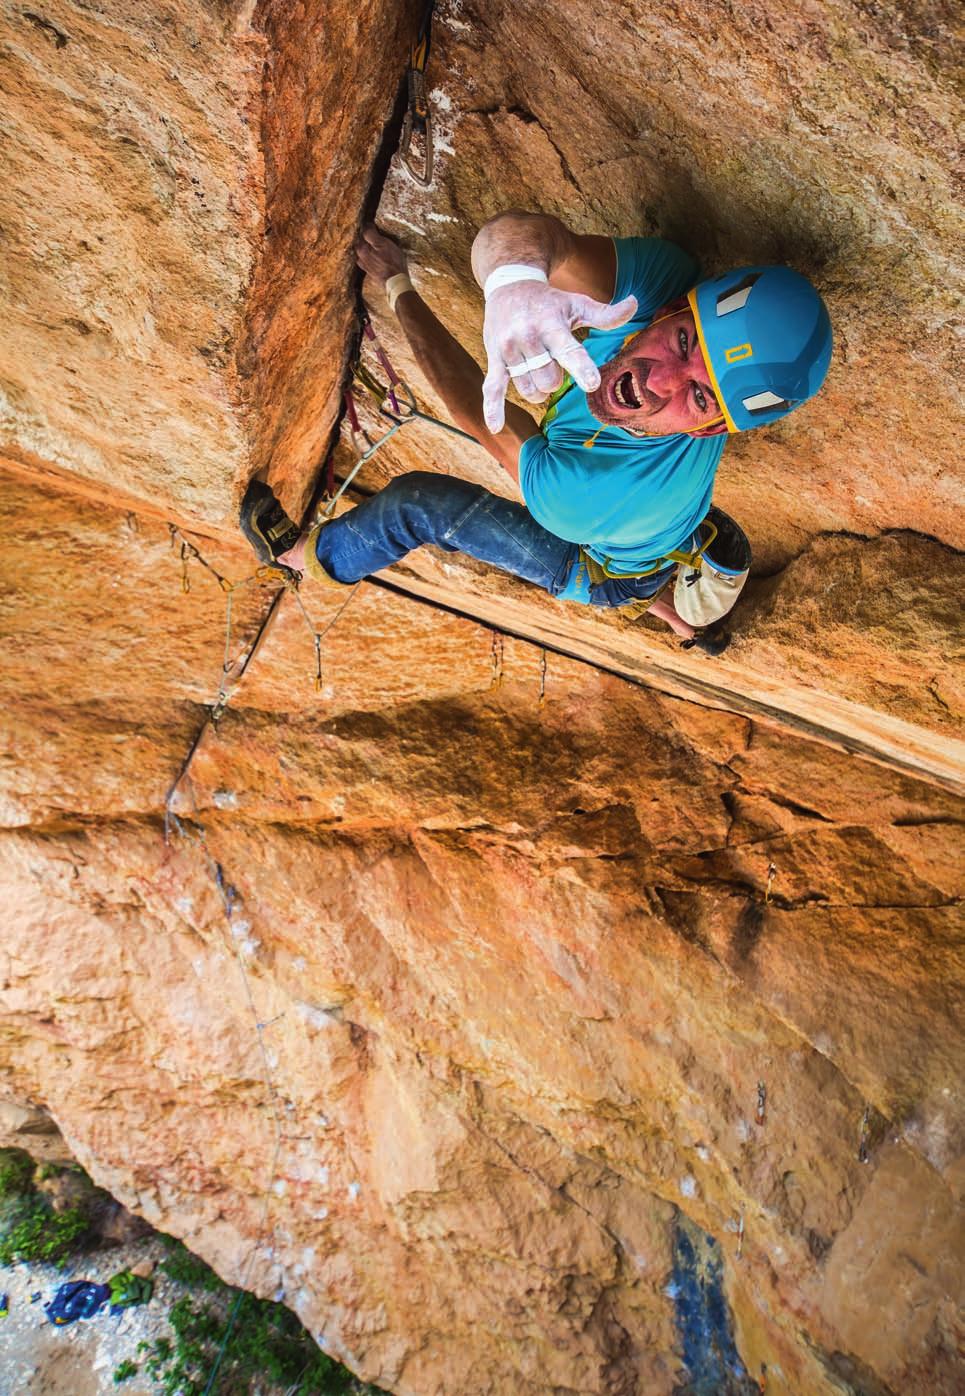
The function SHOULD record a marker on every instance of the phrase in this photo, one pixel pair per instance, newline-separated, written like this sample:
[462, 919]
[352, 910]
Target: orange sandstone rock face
[182, 198]
[130, 234]
[450, 997]
[519, 969]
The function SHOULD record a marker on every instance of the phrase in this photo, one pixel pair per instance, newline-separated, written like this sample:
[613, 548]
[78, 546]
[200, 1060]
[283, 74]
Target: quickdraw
[864, 1137]
[417, 126]
[369, 333]
[771, 874]
[761, 1103]
[236, 664]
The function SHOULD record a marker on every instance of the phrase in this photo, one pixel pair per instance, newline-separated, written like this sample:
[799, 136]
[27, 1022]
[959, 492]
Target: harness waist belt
[600, 571]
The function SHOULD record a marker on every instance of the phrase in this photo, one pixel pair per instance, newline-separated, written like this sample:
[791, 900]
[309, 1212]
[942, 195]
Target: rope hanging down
[230, 903]
[417, 127]
[395, 402]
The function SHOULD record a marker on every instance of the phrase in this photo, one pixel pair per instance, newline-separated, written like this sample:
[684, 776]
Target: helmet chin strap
[714, 421]
[683, 431]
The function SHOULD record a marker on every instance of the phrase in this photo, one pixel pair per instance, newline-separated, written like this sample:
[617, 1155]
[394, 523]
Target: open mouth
[625, 392]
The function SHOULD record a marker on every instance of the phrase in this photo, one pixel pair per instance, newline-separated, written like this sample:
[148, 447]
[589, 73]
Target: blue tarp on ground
[77, 1299]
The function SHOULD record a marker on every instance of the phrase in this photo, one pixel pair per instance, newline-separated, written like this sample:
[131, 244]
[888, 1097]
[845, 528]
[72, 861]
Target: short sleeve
[654, 271]
[557, 488]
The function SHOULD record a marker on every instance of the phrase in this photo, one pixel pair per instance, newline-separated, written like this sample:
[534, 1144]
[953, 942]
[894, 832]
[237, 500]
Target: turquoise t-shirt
[628, 500]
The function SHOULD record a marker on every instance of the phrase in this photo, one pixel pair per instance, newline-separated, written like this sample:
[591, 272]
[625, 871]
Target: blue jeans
[421, 507]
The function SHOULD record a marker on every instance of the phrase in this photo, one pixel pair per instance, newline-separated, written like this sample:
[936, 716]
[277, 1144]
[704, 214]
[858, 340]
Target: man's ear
[710, 431]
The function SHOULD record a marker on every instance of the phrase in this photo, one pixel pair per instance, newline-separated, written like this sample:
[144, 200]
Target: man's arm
[572, 261]
[453, 373]
[541, 283]
[458, 380]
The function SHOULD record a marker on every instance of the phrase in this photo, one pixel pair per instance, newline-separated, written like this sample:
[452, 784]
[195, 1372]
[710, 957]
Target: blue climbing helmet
[766, 336]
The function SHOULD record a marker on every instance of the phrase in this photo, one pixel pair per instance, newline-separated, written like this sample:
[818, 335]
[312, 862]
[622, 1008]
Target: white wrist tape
[507, 275]
[396, 286]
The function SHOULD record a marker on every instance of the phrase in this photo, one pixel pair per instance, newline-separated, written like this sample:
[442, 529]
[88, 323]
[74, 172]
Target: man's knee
[425, 506]
[418, 484]
[426, 493]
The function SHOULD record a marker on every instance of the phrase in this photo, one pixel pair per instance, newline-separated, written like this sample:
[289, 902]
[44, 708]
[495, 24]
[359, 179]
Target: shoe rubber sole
[265, 524]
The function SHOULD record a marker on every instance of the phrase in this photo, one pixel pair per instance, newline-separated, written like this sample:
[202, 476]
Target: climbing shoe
[265, 524]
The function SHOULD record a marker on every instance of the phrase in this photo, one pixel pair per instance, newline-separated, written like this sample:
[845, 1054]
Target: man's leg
[664, 610]
[419, 508]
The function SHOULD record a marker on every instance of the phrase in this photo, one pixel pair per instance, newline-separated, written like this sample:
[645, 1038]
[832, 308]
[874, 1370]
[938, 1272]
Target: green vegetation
[39, 1233]
[30, 1228]
[253, 1342]
[16, 1173]
[185, 1267]
[267, 1344]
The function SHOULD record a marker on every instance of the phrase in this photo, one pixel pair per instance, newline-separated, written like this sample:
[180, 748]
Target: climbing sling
[395, 402]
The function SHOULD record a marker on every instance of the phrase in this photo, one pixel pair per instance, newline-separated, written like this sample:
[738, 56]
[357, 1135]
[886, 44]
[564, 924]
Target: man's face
[658, 383]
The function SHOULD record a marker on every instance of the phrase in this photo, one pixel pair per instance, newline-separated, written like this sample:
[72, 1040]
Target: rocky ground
[39, 1359]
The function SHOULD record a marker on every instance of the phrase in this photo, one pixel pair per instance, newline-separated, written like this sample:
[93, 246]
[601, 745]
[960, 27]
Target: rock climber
[617, 477]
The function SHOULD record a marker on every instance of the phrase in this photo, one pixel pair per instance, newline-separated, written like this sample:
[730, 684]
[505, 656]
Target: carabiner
[418, 118]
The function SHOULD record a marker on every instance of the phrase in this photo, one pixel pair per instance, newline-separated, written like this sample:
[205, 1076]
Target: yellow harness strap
[693, 559]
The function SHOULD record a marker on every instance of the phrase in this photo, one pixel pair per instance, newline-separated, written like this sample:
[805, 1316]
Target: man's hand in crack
[379, 256]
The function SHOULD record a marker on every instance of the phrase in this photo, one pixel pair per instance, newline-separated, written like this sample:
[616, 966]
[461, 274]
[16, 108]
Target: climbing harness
[707, 583]
[417, 127]
[395, 402]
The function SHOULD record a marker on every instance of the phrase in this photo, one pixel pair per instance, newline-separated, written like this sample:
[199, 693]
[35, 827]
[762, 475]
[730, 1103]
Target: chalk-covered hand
[528, 334]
